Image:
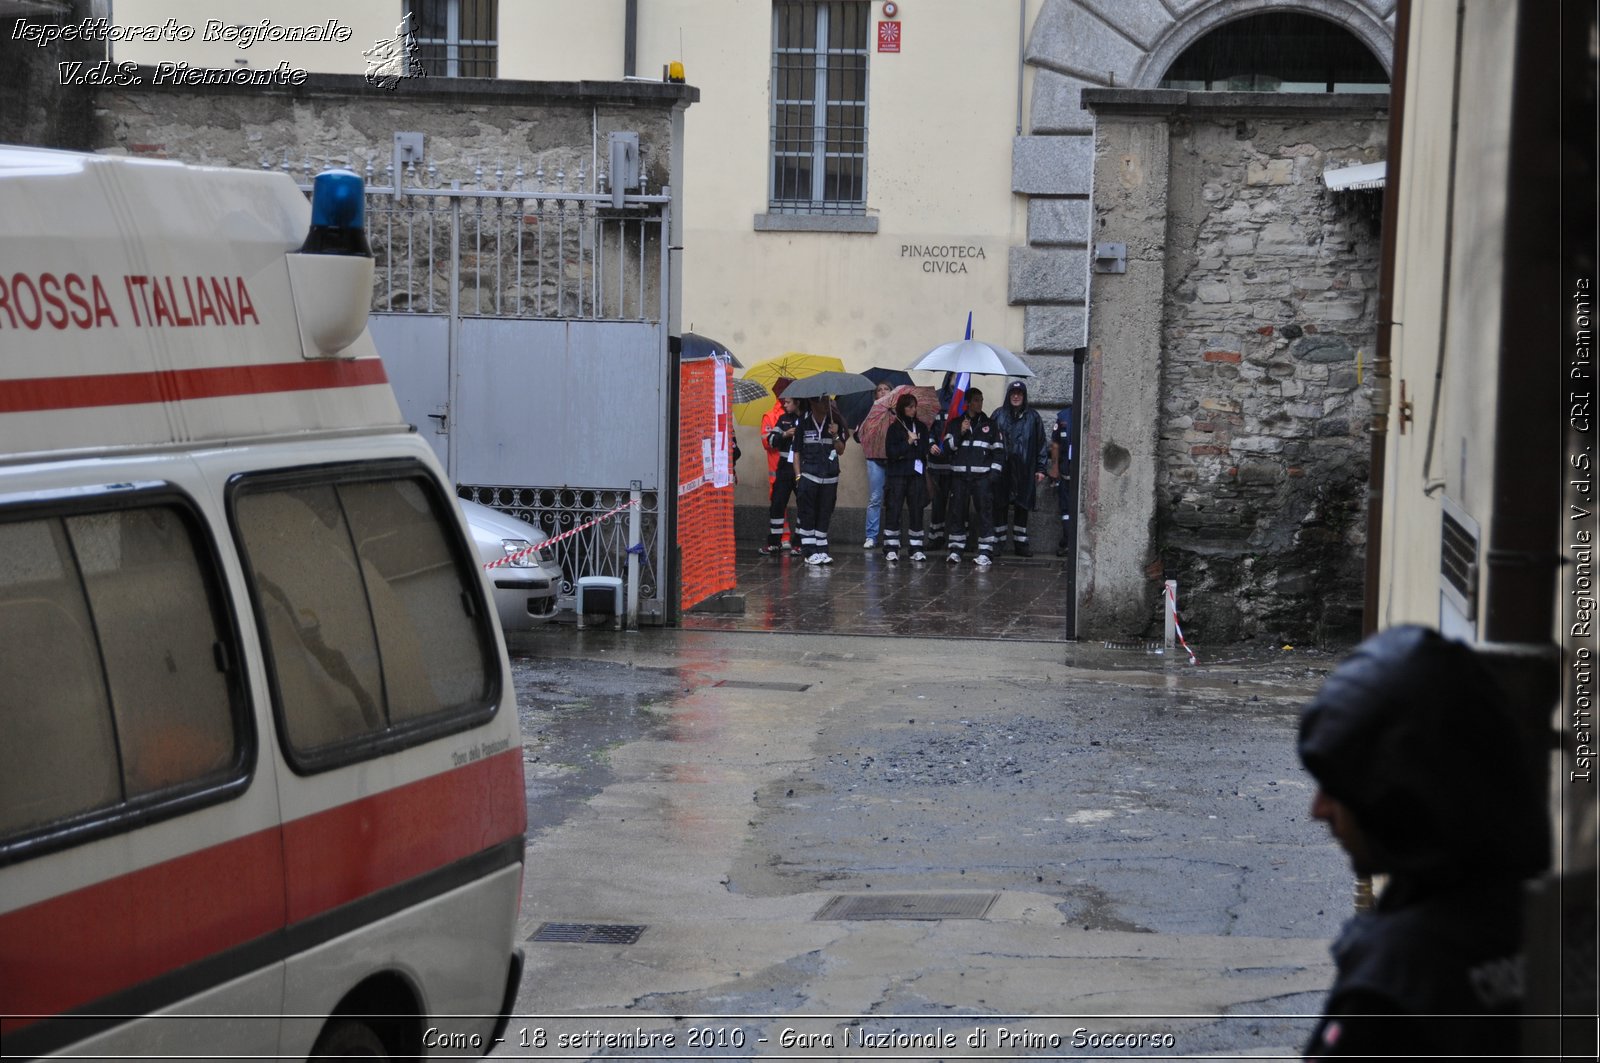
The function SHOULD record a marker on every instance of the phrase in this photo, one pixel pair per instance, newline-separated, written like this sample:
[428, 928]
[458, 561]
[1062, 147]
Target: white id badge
[916, 466]
[789, 457]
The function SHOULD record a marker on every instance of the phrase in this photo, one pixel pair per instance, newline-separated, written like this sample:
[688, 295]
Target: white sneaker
[954, 558]
[826, 559]
[869, 544]
[919, 556]
[815, 559]
[891, 556]
[982, 561]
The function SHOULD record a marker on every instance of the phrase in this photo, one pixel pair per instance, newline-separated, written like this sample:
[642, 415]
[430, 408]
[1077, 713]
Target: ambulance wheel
[349, 1039]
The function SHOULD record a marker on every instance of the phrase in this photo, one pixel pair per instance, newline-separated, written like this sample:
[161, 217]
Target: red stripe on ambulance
[173, 385]
[112, 936]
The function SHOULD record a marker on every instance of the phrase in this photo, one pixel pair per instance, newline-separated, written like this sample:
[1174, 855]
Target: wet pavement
[863, 594]
[1140, 824]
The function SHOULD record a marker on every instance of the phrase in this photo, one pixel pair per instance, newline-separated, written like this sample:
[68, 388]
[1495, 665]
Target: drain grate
[1138, 647]
[908, 906]
[588, 933]
[754, 684]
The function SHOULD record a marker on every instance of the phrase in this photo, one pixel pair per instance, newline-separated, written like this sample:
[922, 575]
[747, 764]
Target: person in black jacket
[1423, 775]
[780, 441]
[820, 439]
[976, 453]
[905, 448]
[1026, 455]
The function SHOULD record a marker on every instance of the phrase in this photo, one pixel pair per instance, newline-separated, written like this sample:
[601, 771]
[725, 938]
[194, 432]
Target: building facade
[858, 175]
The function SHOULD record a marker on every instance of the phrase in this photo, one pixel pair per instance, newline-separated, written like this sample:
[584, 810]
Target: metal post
[1070, 470]
[635, 530]
[453, 352]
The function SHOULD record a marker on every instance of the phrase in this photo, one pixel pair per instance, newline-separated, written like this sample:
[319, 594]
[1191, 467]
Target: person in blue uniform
[976, 455]
[820, 439]
[779, 441]
[905, 447]
[1027, 448]
[1060, 473]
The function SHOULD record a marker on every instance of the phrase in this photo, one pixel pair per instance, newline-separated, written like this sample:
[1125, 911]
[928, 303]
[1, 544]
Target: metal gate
[524, 332]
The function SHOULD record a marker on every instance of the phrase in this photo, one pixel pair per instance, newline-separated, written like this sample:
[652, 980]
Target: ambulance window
[58, 755]
[308, 588]
[157, 633]
[116, 674]
[432, 657]
[371, 618]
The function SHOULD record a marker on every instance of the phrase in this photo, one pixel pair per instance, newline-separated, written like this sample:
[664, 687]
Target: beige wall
[1447, 281]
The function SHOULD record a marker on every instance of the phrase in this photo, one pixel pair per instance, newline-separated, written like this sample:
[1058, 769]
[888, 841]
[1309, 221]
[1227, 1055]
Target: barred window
[819, 106]
[456, 38]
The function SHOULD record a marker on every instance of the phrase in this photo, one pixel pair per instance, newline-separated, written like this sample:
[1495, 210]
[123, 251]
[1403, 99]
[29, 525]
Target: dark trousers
[974, 493]
[939, 497]
[782, 491]
[815, 503]
[1010, 517]
[902, 491]
[1064, 504]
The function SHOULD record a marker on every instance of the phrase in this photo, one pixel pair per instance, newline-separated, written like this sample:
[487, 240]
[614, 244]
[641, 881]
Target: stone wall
[1267, 318]
[554, 132]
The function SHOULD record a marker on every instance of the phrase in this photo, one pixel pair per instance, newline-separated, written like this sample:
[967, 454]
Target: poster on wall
[721, 445]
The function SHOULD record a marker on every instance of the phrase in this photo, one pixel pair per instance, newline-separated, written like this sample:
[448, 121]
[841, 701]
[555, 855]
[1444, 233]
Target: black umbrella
[830, 383]
[853, 408]
[692, 345]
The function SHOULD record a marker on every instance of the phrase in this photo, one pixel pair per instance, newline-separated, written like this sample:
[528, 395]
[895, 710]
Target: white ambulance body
[261, 784]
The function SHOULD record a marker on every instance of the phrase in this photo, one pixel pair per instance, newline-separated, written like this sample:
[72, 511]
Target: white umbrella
[973, 356]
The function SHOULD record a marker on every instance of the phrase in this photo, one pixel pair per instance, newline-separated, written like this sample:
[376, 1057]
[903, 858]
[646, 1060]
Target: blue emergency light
[338, 215]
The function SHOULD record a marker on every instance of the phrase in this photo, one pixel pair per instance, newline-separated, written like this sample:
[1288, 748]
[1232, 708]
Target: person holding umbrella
[1026, 454]
[905, 444]
[820, 435]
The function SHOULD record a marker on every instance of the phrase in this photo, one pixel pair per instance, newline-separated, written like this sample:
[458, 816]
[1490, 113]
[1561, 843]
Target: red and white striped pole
[1173, 629]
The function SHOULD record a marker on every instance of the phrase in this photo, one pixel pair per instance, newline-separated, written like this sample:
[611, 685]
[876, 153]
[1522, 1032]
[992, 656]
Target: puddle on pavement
[572, 717]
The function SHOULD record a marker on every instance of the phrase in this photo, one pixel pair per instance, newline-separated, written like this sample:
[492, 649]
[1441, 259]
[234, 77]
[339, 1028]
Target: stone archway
[1358, 18]
[1079, 44]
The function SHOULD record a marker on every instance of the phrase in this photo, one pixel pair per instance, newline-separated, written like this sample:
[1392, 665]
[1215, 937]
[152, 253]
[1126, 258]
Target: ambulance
[261, 787]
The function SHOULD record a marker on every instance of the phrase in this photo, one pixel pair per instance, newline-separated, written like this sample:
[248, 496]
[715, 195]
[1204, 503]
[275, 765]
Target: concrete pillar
[1119, 589]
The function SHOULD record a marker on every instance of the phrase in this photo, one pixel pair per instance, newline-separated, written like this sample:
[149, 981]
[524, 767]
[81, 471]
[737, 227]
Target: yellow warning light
[675, 71]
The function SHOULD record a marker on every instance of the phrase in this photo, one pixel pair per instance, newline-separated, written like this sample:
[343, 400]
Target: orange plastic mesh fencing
[705, 511]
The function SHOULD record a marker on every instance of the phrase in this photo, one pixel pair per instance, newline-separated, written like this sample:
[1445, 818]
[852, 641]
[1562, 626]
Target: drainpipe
[630, 38]
[1381, 365]
[1022, 54]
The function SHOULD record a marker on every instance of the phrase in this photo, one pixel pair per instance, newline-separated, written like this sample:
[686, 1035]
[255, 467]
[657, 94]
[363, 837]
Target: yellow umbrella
[793, 365]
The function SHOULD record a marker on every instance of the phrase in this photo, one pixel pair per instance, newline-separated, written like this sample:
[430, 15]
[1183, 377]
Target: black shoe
[1061, 550]
[1023, 550]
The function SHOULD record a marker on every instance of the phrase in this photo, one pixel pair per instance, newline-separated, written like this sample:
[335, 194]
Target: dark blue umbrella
[693, 345]
[853, 408]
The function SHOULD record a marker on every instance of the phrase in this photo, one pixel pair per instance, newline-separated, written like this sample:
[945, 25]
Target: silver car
[524, 588]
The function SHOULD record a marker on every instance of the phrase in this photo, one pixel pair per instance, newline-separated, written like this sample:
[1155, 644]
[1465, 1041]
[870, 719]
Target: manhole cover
[588, 933]
[908, 906]
[1137, 647]
[753, 684]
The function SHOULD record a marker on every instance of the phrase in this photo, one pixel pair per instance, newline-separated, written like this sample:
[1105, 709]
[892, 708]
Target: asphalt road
[1131, 834]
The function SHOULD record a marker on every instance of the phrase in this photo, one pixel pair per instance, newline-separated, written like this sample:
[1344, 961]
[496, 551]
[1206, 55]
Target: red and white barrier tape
[1172, 604]
[556, 539]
